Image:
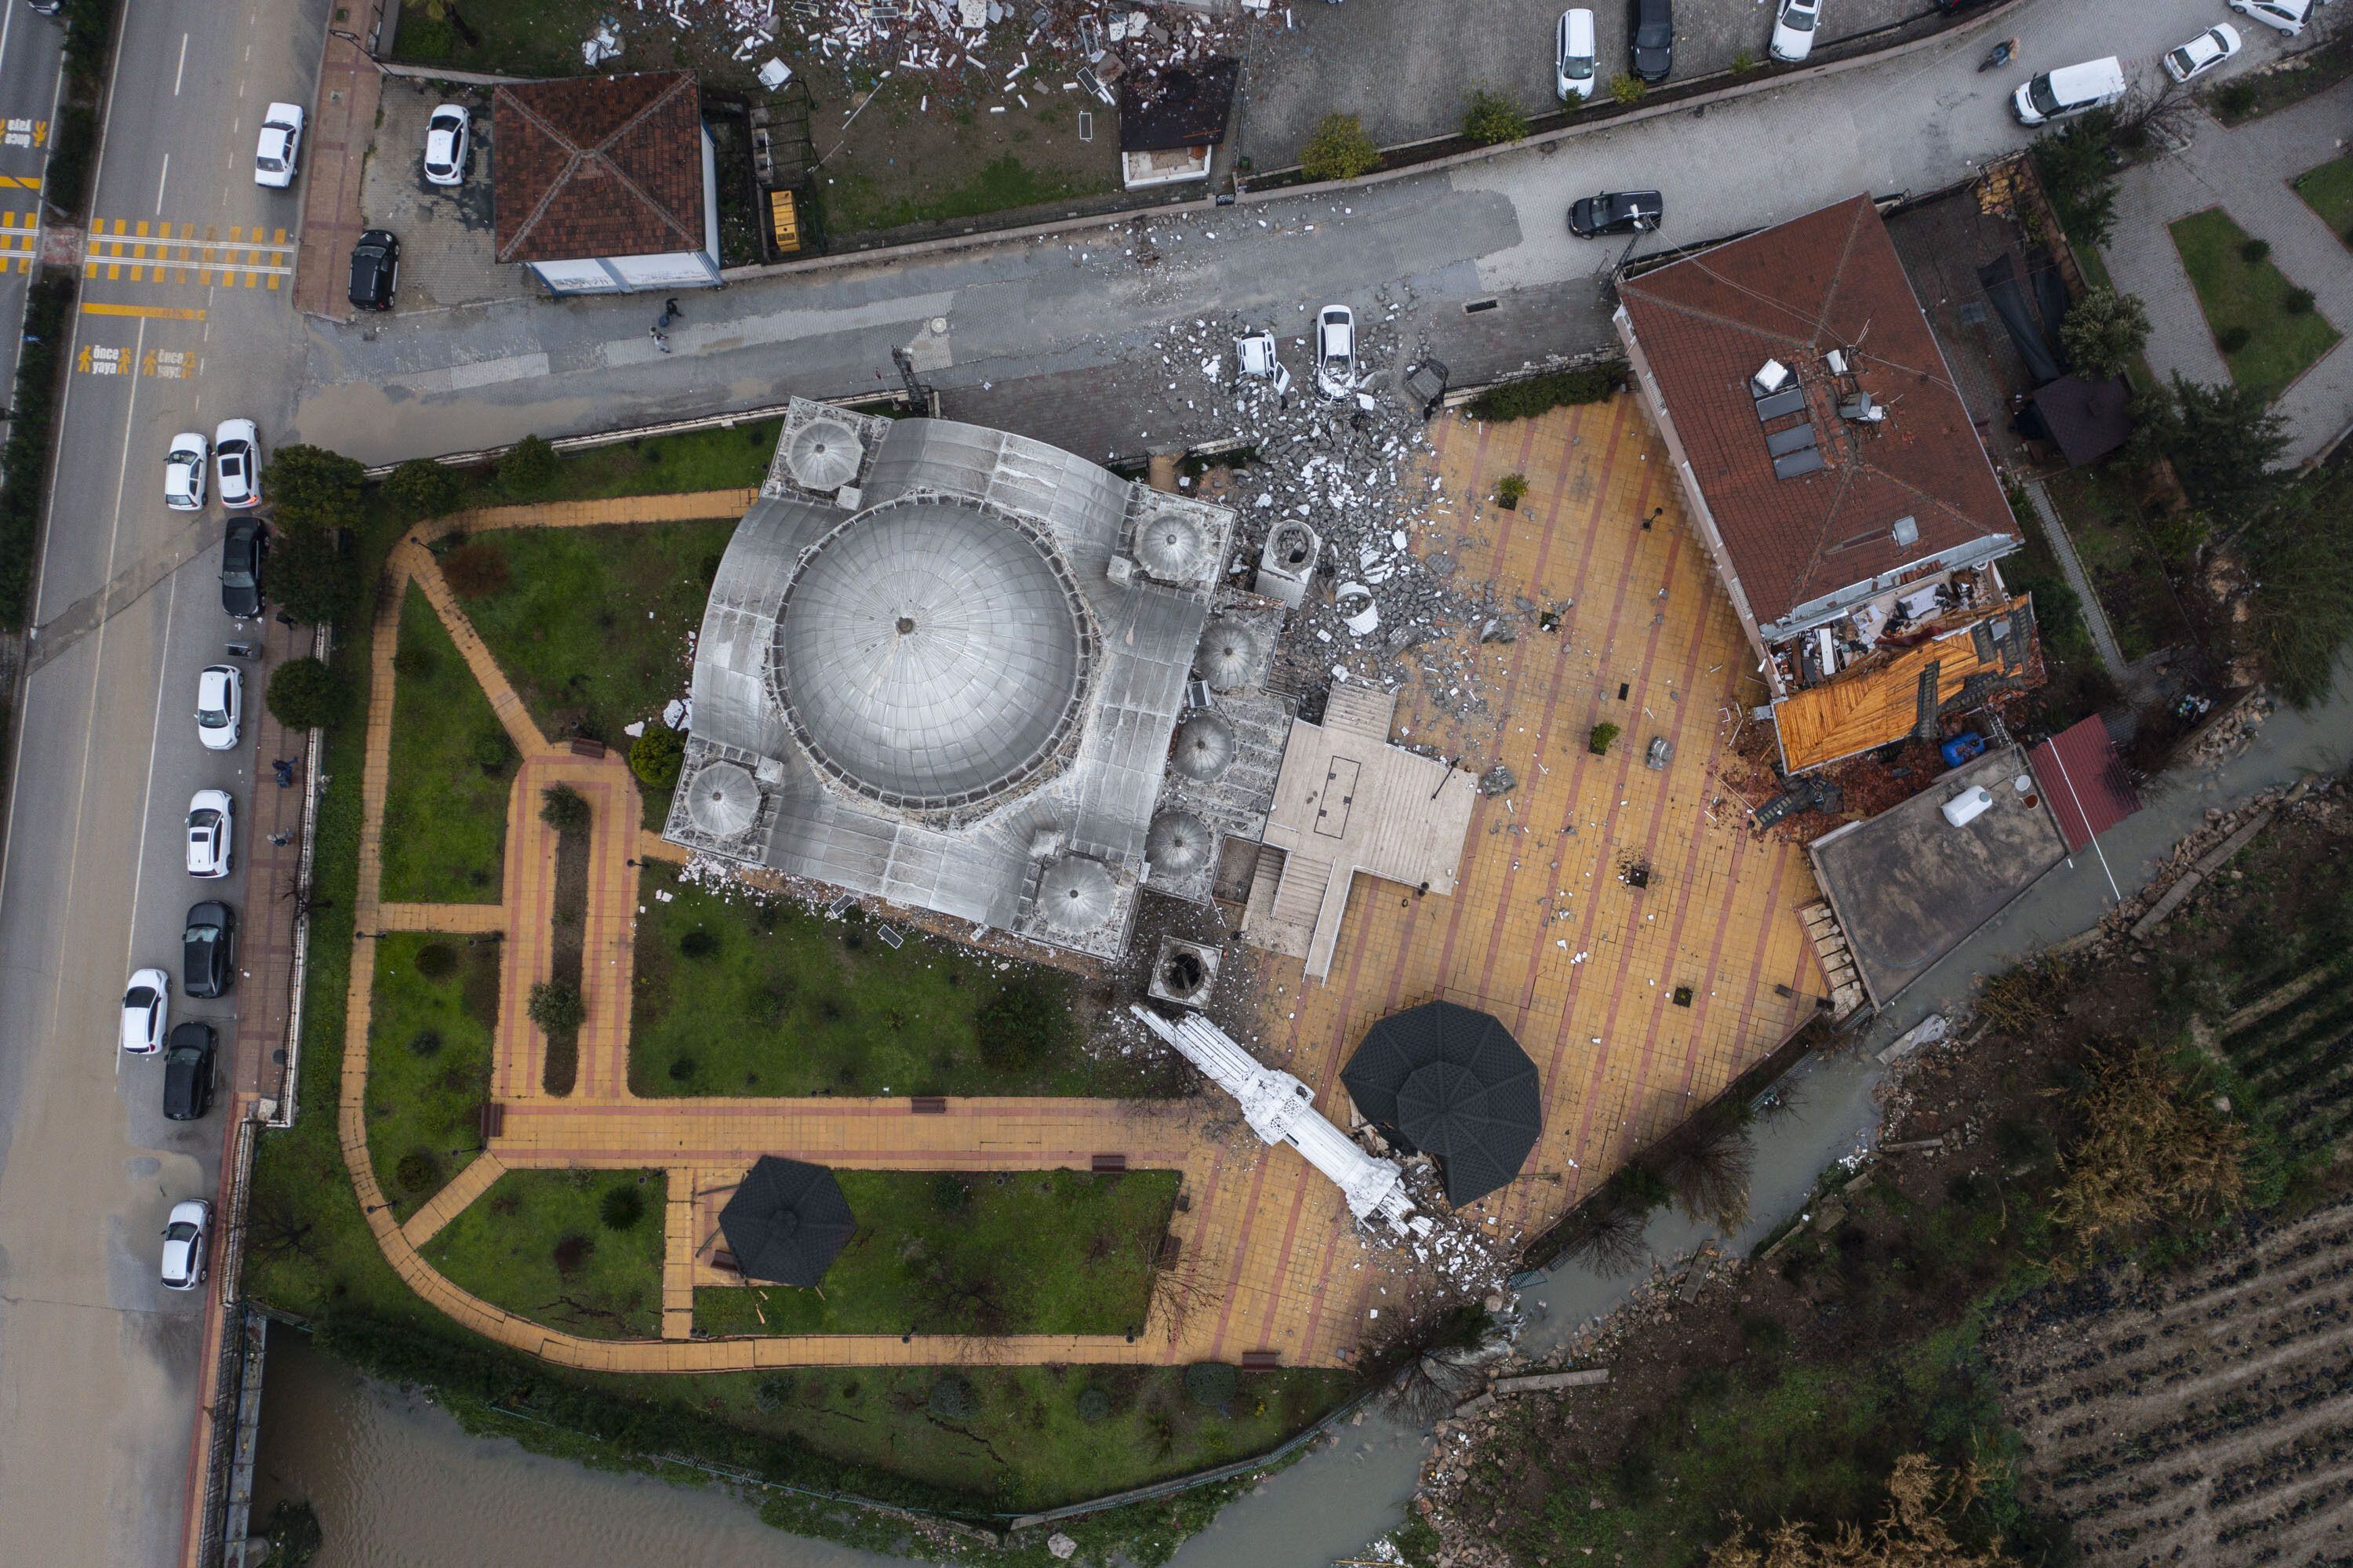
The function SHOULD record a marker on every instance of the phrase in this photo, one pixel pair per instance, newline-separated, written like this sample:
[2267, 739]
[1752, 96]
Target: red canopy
[2084, 781]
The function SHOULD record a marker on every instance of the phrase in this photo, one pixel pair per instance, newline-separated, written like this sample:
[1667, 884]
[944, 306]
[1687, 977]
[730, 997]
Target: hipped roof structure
[1450, 1082]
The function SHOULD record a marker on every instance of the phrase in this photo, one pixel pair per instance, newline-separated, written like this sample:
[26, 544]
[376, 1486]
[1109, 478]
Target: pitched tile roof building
[1824, 453]
[605, 185]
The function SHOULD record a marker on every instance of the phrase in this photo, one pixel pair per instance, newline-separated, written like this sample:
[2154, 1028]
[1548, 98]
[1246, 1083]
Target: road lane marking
[149, 313]
[161, 181]
[182, 69]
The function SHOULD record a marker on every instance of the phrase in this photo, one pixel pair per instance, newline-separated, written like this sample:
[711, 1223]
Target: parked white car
[1793, 29]
[2070, 90]
[281, 151]
[1573, 73]
[1335, 351]
[237, 458]
[146, 1013]
[220, 706]
[1255, 358]
[449, 135]
[183, 471]
[2287, 16]
[212, 833]
[184, 1236]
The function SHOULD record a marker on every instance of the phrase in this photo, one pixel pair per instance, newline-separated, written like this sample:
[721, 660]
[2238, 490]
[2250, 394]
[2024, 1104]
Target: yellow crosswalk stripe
[150, 312]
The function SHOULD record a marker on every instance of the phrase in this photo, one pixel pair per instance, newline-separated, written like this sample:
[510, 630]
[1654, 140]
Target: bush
[2253, 250]
[656, 756]
[622, 1208]
[563, 808]
[436, 960]
[1743, 63]
[1598, 741]
[2297, 302]
[1212, 1385]
[490, 749]
[1512, 489]
[953, 1399]
[1640, 1189]
[1524, 399]
[420, 488]
[556, 1008]
[1021, 1026]
[425, 1044]
[681, 1069]
[73, 141]
[527, 467]
[311, 487]
[305, 695]
[313, 577]
[1624, 89]
[1093, 1405]
[772, 1395]
[700, 943]
[1493, 119]
[1340, 150]
[475, 570]
[414, 663]
[2230, 340]
[2236, 98]
[417, 1172]
[25, 461]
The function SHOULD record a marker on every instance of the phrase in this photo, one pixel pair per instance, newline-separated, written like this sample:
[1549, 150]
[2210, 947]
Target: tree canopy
[311, 487]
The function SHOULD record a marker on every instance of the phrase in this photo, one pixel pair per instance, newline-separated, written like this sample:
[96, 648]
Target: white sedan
[212, 833]
[1793, 29]
[237, 457]
[220, 706]
[281, 146]
[185, 1234]
[147, 1010]
[183, 471]
[1572, 56]
[2287, 16]
[1255, 358]
[1335, 351]
[447, 136]
[2202, 53]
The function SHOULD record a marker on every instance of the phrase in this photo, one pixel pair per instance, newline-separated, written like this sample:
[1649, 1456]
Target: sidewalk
[259, 1056]
[341, 121]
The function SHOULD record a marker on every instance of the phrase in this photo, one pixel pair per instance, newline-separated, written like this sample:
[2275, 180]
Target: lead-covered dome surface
[724, 799]
[931, 652]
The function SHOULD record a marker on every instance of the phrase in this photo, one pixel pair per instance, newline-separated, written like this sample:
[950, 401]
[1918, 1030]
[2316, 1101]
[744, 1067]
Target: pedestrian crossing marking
[149, 313]
[19, 240]
[168, 253]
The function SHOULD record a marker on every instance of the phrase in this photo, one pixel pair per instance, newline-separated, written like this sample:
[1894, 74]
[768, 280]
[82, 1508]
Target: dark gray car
[208, 951]
[188, 1072]
[1650, 28]
[1615, 212]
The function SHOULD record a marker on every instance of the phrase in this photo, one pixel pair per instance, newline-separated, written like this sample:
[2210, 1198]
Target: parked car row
[2094, 84]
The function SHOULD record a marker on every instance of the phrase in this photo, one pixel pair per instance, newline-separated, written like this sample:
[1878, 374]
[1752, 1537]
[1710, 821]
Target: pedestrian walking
[661, 339]
[670, 308]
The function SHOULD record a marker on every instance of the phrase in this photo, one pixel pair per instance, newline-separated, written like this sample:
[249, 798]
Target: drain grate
[1475, 306]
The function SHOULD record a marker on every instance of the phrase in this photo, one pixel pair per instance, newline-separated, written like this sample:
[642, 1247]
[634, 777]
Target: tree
[2222, 442]
[1023, 1024]
[1493, 119]
[1916, 1532]
[2300, 555]
[2079, 177]
[1340, 150]
[563, 808]
[2154, 1146]
[421, 488]
[305, 695]
[527, 466]
[311, 487]
[313, 577]
[657, 755]
[1706, 1162]
[2103, 330]
[557, 1009]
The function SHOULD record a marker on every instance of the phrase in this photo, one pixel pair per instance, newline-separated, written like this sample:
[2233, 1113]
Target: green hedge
[25, 461]
[1540, 394]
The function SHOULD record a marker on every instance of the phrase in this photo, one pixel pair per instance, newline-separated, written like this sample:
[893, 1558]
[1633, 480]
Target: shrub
[313, 577]
[305, 695]
[1493, 119]
[527, 467]
[294, 1536]
[420, 488]
[2236, 98]
[656, 755]
[1535, 394]
[311, 487]
[1610, 1241]
[556, 1008]
[73, 141]
[621, 1208]
[681, 1069]
[414, 663]
[426, 1043]
[700, 943]
[1022, 1025]
[1212, 1385]
[563, 808]
[953, 1399]
[1640, 1189]
[1598, 741]
[25, 461]
[1512, 489]
[571, 1252]
[1706, 1161]
[417, 1172]
[2230, 340]
[1743, 63]
[490, 749]
[1339, 150]
[475, 570]
[2253, 250]
[1625, 89]
[1093, 1405]
[436, 960]
[2103, 330]
[2297, 302]
[772, 1395]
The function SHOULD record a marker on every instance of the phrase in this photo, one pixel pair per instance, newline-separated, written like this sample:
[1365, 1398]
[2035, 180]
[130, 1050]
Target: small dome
[723, 800]
[1075, 895]
[1170, 547]
[824, 454]
[1178, 840]
[1228, 655]
[1205, 745]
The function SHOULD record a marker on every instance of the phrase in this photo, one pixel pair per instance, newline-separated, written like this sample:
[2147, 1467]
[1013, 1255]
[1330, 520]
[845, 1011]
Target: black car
[1650, 26]
[241, 573]
[208, 951]
[1615, 212]
[376, 270]
[188, 1072]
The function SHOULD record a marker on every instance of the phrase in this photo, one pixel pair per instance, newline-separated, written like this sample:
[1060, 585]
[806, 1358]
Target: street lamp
[356, 42]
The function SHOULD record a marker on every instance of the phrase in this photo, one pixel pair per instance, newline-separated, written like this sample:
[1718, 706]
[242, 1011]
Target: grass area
[574, 1249]
[519, 37]
[428, 1061]
[740, 997]
[2239, 296]
[2078, 684]
[2328, 191]
[692, 461]
[445, 811]
[2126, 568]
[1043, 1252]
[858, 203]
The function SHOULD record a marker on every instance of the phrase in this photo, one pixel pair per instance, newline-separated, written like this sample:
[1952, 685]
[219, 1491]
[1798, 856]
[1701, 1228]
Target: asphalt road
[29, 57]
[460, 379]
[99, 1365]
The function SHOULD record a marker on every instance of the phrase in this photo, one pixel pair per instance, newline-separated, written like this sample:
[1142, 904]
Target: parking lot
[445, 249]
[1383, 61]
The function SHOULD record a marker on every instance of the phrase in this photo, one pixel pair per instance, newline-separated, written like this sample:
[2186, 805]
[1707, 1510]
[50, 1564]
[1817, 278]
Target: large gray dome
[824, 454]
[1228, 656]
[1075, 895]
[1171, 547]
[931, 653]
[1205, 744]
[1178, 842]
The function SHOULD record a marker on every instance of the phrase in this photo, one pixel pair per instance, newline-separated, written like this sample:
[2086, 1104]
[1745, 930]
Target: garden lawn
[539, 1244]
[717, 458]
[739, 997]
[428, 1061]
[2328, 191]
[2251, 295]
[445, 811]
[1036, 1252]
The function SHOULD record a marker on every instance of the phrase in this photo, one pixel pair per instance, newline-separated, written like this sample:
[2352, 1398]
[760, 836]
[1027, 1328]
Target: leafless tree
[1706, 1162]
[1611, 1243]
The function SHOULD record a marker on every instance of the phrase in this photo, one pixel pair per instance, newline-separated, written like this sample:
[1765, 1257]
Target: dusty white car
[147, 1010]
[183, 471]
[280, 150]
[2202, 53]
[237, 458]
[220, 706]
[212, 833]
[1793, 30]
[184, 1236]
[1255, 359]
[1335, 351]
[1573, 72]
[2287, 16]
[449, 136]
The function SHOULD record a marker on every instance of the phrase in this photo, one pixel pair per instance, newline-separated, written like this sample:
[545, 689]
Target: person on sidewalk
[661, 339]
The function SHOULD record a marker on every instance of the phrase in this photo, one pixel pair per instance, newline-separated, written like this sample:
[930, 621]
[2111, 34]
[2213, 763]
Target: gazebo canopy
[786, 1222]
[1451, 1083]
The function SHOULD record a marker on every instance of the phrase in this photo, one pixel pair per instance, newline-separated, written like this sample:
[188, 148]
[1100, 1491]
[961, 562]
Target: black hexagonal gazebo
[1450, 1082]
[786, 1222]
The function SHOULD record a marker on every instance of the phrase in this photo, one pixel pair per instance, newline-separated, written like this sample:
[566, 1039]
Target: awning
[1450, 1082]
[787, 1221]
[2084, 781]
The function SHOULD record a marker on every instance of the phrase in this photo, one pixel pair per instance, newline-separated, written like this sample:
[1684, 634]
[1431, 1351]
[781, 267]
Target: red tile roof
[1829, 279]
[2084, 781]
[599, 166]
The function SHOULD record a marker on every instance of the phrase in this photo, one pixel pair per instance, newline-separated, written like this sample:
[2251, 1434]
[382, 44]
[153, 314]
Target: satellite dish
[1170, 548]
[824, 455]
[1228, 655]
[1205, 745]
[723, 800]
[1075, 895]
[1177, 841]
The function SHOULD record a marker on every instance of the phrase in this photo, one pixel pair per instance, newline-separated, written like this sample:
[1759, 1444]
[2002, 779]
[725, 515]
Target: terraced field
[2204, 1416]
[2297, 1060]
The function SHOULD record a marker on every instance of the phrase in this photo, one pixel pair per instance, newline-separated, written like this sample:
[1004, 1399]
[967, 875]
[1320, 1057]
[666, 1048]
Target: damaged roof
[1901, 691]
[1793, 293]
[599, 166]
[1183, 106]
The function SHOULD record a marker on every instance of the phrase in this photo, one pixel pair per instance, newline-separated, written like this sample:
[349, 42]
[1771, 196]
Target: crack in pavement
[54, 636]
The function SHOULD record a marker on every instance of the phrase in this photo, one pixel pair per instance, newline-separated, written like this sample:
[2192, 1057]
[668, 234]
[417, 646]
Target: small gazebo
[1448, 1080]
[786, 1222]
